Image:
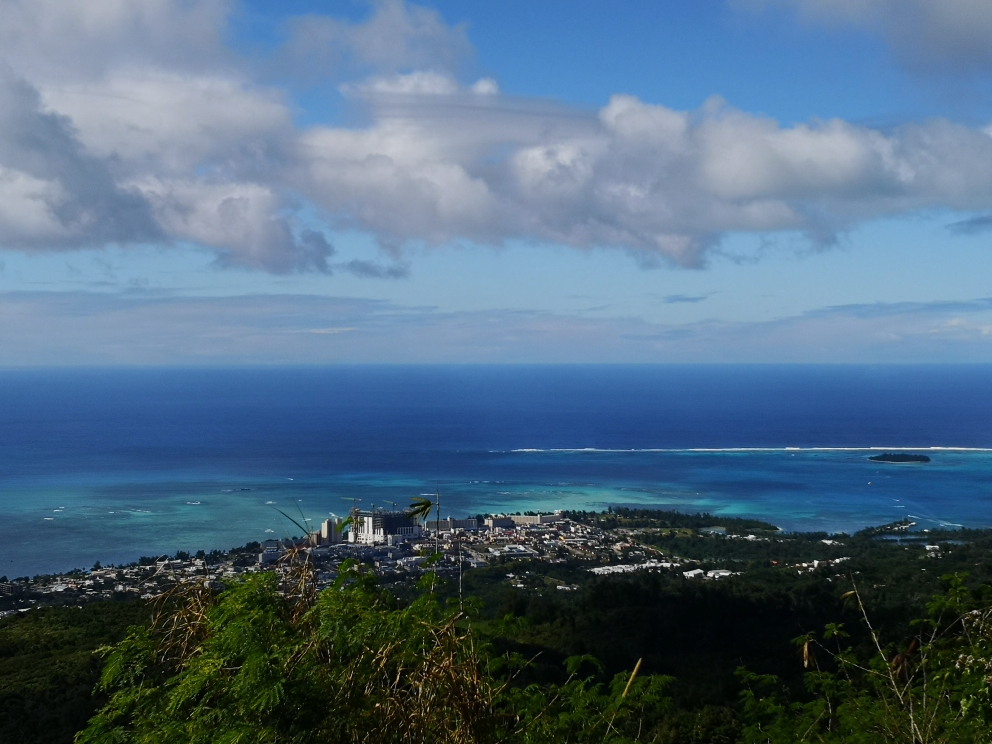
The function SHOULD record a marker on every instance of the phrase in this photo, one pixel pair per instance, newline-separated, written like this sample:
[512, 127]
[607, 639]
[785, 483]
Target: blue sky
[213, 182]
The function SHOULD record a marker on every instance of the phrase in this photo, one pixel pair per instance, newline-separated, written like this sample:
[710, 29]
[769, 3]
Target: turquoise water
[110, 466]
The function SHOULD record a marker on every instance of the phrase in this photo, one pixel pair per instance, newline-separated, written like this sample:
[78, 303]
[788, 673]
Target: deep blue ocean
[110, 465]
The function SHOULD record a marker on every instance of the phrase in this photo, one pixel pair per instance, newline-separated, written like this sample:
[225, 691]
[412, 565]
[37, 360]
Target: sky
[212, 182]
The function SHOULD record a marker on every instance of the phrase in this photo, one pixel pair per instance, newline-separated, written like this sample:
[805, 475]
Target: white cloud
[420, 83]
[397, 37]
[27, 207]
[924, 34]
[485, 87]
[61, 41]
[239, 220]
[167, 122]
[56, 194]
[638, 176]
[129, 122]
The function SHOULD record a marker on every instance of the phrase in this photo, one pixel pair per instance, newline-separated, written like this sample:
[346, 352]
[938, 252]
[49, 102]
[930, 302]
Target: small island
[898, 457]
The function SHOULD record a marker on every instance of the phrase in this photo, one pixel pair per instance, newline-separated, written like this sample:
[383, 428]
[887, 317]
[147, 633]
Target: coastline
[616, 541]
[56, 525]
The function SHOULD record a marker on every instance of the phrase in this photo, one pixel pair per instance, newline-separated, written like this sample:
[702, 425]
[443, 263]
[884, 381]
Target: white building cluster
[381, 527]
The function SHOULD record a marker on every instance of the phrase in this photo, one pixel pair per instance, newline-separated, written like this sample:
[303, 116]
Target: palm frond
[420, 507]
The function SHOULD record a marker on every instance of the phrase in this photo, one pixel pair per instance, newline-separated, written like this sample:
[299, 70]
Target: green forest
[893, 644]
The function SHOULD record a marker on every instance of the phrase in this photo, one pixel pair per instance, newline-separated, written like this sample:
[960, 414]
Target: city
[398, 548]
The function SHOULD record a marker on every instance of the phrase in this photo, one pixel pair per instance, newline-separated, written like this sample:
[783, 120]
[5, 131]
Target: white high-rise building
[375, 527]
[330, 532]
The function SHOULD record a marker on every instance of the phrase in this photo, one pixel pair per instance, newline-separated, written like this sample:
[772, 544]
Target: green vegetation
[934, 686]
[672, 520]
[48, 669]
[892, 644]
[256, 664]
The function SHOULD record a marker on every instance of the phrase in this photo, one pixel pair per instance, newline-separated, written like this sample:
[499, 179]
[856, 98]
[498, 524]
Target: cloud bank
[82, 328]
[130, 123]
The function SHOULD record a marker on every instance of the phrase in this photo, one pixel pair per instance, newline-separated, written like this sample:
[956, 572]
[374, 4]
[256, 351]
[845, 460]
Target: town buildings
[378, 527]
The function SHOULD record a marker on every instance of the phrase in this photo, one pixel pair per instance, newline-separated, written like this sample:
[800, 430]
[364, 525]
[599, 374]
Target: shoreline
[52, 522]
[603, 542]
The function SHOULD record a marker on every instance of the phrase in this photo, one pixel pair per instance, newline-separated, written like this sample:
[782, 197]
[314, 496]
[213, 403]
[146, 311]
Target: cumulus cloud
[133, 122]
[52, 192]
[397, 37]
[160, 121]
[52, 40]
[634, 175]
[239, 220]
[924, 34]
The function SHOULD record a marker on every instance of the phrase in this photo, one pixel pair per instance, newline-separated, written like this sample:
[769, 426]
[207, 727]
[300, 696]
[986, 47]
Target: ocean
[112, 464]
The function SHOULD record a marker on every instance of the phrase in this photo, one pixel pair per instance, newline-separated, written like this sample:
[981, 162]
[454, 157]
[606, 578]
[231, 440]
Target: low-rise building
[498, 522]
[271, 551]
[450, 525]
[519, 519]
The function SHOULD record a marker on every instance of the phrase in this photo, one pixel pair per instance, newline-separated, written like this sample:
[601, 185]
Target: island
[898, 457]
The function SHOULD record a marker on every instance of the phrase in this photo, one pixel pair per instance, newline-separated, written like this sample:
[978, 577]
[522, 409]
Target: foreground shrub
[932, 688]
[268, 662]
